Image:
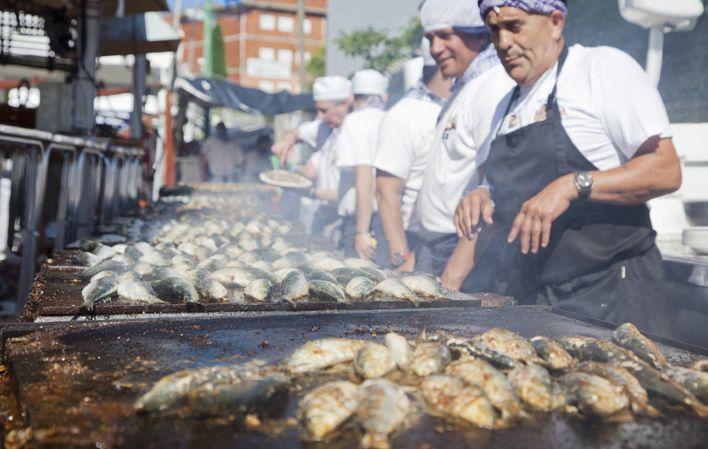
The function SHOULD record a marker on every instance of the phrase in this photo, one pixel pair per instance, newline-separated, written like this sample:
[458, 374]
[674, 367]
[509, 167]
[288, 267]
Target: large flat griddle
[76, 382]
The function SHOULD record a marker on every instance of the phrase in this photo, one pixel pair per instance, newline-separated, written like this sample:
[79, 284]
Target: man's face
[332, 113]
[454, 52]
[526, 43]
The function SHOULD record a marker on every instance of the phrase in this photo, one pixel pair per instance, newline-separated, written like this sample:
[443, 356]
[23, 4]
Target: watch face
[584, 180]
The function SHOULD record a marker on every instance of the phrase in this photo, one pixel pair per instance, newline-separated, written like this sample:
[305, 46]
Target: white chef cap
[460, 15]
[369, 82]
[331, 88]
[428, 59]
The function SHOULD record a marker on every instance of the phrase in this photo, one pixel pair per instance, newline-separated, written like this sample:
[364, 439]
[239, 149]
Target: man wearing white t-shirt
[356, 149]
[333, 97]
[405, 136]
[581, 143]
[461, 47]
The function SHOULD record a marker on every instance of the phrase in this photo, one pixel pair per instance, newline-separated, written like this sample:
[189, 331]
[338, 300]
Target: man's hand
[364, 246]
[282, 148]
[534, 221]
[475, 205]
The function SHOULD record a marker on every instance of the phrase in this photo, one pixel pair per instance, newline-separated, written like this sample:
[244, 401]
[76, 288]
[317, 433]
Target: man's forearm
[645, 177]
[460, 264]
[389, 198]
[364, 186]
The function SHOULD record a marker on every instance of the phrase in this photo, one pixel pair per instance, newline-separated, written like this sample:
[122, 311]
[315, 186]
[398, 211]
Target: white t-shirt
[324, 160]
[608, 105]
[465, 125]
[356, 145]
[406, 132]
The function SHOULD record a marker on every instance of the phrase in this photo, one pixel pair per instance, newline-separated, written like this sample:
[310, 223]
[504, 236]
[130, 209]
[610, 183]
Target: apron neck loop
[561, 63]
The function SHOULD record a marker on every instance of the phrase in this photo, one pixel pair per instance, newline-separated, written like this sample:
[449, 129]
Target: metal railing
[95, 177]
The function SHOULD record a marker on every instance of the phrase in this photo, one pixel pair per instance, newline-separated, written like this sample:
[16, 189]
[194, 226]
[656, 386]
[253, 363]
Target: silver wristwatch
[583, 182]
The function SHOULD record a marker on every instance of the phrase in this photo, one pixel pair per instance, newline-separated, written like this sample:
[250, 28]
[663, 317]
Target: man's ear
[558, 23]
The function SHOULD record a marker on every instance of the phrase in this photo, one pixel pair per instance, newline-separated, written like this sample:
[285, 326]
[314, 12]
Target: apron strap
[561, 62]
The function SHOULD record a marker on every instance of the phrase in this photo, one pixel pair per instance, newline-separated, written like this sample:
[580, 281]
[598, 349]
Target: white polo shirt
[356, 145]
[460, 131]
[321, 137]
[405, 138]
[608, 105]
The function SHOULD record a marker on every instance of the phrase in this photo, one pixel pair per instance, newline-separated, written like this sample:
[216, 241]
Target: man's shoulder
[407, 109]
[592, 59]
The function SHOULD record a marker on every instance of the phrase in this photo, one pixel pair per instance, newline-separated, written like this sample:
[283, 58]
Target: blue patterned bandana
[532, 6]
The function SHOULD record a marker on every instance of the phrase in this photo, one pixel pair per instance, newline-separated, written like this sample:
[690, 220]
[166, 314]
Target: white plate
[298, 181]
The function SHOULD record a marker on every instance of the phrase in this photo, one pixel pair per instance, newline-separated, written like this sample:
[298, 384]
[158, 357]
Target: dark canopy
[220, 93]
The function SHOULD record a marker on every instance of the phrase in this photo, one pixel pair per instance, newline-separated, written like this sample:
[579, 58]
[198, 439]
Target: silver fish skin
[493, 382]
[424, 286]
[98, 291]
[508, 343]
[638, 397]
[552, 353]
[175, 290]
[360, 288]
[533, 386]
[173, 390]
[400, 349]
[259, 395]
[695, 381]
[325, 408]
[326, 291]
[595, 395]
[319, 354]
[395, 289]
[294, 287]
[450, 396]
[383, 408]
[373, 360]
[258, 290]
[430, 358]
[653, 380]
[344, 275]
[573, 343]
[137, 291]
[319, 275]
[282, 263]
[374, 274]
[209, 289]
[629, 337]
[232, 277]
[104, 265]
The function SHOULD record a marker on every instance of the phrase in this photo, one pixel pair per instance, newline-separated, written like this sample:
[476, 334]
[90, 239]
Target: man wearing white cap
[406, 133]
[460, 44]
[356, 149]
[332, 95]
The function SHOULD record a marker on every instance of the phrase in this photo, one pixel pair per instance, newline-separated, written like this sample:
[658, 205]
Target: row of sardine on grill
[222, 261]
[492, 381]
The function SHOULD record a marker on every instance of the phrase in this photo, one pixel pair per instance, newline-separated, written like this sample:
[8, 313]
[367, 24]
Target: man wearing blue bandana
[460, 45]
[579, 146]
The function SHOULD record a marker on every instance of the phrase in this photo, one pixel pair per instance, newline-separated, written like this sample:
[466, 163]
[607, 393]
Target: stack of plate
[696, 239]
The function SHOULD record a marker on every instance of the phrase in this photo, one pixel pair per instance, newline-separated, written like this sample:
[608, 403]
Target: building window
[266, 54]
[266, 86]
[286, 24]
[307, 56]
[307, 26]
[284, 86]
[266, 22]
[285, 55]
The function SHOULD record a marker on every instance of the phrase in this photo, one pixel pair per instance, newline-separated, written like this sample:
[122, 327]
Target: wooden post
[169, 143]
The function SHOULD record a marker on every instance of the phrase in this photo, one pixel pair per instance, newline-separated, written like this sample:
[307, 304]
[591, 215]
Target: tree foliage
[219, 51]
[316, 65]
[379, 50]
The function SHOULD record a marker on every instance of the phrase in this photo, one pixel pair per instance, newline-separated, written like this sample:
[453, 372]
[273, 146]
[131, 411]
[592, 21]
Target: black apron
[601, 262]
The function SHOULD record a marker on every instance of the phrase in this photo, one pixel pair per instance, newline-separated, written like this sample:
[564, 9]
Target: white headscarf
[460, 15]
